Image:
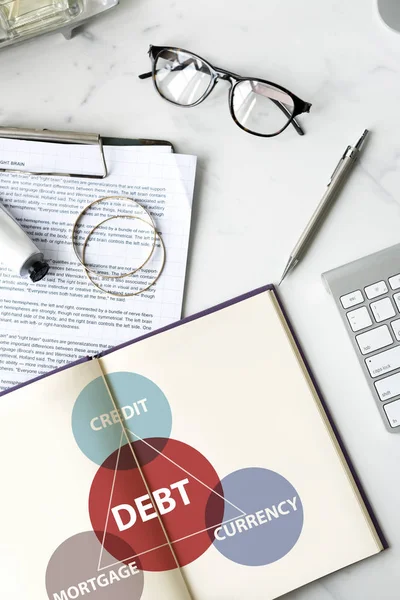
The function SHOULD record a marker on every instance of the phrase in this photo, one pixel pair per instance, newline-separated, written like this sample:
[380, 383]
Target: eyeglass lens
[260, 107]
[181, 77]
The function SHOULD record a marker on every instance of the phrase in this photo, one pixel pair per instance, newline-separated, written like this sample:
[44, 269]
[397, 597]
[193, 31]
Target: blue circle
[96, 424]
[272, 521]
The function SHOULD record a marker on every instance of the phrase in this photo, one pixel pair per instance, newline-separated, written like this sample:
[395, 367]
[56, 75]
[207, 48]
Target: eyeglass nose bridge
[225, 76]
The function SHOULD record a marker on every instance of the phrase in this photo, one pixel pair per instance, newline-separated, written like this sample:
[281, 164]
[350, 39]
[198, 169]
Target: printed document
[64, 317]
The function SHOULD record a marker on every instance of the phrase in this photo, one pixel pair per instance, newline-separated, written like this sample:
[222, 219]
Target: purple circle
[263, 517]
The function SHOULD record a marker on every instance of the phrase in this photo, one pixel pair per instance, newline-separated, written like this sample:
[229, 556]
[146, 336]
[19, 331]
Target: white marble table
[255, 195]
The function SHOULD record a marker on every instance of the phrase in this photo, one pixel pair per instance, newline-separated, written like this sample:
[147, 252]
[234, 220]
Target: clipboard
[74, 137]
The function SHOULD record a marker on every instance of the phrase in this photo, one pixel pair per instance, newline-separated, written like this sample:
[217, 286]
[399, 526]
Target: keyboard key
[396, 298]
[384, 362]
[382, 309]
[352, 299]
[396, 328]
[376, 289]
[374, 340]
[389, 387]
[359, 319]
[392, 411]
[394, 282]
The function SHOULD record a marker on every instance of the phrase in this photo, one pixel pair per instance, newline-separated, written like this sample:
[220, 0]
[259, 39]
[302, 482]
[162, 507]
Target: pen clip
[338, 165]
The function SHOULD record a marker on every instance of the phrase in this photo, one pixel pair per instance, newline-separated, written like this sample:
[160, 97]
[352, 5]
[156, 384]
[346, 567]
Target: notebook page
[244, 423]
[63, 317]
[53, 529]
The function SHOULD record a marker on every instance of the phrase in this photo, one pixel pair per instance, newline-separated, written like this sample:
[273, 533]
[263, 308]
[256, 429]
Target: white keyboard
[367, 293]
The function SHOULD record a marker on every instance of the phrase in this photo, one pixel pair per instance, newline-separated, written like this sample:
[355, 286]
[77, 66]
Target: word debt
[118, 415]
[261, 517]
[96, 583]
[125, 515]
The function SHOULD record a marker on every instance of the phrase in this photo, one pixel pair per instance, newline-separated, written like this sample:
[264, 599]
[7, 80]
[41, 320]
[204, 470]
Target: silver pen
[337, 180]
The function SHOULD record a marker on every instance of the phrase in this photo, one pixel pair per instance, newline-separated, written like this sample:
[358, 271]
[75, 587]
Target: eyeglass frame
[299, 105]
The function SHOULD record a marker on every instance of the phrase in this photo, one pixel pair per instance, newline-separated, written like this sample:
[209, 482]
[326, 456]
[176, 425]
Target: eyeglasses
[257, 106]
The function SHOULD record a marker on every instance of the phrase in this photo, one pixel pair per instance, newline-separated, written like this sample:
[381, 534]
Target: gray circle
[74, 570]
[389, 11]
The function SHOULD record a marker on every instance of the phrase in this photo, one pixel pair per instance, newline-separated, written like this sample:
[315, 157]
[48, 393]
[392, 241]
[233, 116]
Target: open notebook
[197, 462]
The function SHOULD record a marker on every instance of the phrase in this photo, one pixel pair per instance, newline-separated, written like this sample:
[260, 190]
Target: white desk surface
[255, 195]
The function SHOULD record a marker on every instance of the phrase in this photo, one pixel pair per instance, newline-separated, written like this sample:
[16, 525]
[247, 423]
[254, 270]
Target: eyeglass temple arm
[283, 108]
[287, 112]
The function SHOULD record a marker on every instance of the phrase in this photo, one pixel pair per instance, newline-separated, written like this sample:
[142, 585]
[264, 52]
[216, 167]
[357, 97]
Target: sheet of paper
[64, 317]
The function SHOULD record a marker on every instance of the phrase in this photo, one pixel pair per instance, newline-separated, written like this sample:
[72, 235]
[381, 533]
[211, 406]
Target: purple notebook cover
[201, 314]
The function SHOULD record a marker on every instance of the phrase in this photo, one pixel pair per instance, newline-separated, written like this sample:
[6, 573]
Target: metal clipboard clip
[63, 137]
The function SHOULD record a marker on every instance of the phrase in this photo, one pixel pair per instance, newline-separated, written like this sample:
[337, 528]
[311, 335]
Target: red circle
[185, 504]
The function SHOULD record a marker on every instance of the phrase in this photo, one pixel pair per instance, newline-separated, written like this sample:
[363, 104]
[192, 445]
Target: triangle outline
[242, 513]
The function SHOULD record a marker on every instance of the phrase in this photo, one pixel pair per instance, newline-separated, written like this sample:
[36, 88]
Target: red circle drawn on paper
[166, 462]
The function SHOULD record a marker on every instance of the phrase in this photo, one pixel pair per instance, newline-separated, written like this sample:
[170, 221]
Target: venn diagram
[144, 475]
